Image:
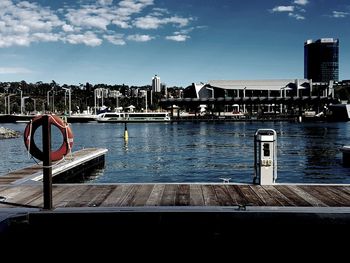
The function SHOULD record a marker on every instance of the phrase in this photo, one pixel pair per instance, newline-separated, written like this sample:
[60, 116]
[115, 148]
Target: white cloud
[14, 70]
[294, 11]
[84, 22]
[177, 38]
[105, 2]
[116, 39]
[301, 2]
[46, 37]
[283, 8]
[296, 16]
[152, 22]
[339, 14]
[67, 28]
[88, 38]
[140, 38]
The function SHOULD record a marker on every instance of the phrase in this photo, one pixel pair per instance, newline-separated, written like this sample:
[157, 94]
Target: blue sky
[182, 41]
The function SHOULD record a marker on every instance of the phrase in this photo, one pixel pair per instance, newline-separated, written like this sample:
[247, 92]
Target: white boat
[133, 117]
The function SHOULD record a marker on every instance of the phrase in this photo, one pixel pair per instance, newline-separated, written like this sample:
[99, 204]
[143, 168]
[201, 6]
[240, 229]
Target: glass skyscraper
[321, 60]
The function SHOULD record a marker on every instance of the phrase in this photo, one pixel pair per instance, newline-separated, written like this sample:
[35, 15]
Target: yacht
[133, 117]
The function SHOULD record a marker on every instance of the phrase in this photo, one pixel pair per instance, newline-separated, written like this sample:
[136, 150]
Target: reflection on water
[201, 152]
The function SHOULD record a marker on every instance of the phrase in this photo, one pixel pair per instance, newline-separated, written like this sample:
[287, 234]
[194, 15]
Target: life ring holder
[63, 127]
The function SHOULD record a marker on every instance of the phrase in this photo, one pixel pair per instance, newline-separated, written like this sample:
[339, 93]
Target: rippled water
[201, 152]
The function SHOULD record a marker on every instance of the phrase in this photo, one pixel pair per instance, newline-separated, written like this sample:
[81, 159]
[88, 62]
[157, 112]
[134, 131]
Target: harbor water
[199, 152]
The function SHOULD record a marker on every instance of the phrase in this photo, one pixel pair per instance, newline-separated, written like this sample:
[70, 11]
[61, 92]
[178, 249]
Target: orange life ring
[65, 130]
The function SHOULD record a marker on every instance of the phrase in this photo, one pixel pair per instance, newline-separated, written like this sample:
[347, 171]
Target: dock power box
[265, 157]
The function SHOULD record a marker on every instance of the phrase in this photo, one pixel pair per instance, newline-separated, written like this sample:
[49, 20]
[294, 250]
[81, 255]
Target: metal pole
[9, 105]
[65, 102]
[21, 102]
[95, 100]
[146, 101]
[70, 102]
[47, 169]
[5, 105]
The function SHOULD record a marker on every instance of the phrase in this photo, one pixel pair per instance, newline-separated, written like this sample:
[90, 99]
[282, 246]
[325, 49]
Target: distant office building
[156, 84]
[321, 60]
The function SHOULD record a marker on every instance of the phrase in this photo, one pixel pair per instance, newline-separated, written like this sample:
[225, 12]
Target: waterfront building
[321, 60]
[156, 84]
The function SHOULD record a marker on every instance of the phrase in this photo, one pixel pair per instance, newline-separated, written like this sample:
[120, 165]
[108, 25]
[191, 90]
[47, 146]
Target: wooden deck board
[292, 196]
[156, 195]
[169, 195]
[196, 195]
[182, 195]
[34, 172]
[209, 195]
[307, 196]
[223, 196]
[130, 195]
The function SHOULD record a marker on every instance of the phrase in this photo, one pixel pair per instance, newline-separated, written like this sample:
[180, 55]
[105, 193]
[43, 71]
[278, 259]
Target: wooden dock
[80, 160]
[170, 195]
[176, 212]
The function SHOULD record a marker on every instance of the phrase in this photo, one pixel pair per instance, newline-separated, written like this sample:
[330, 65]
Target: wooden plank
[35, 173]
[267, 199]
[305, 195]
[102, 192]
[169, 195]
[88, 197]
[36, 194]
[236, 195]
[182, 195]
[116, 196]
[129, 197]
[252, 198]
[78, 197]
[282, 199]
[23, 194]
[223, 196]
[321, 194]
[209, 195]
[67, 194]
[38, 201]
[345, 189]
[296, 199]
[156, 195]
[196, 195]
[342, 197]
[142, 195]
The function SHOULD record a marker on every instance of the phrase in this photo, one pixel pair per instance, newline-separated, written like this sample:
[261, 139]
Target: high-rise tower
[321, 60]
[156, 84]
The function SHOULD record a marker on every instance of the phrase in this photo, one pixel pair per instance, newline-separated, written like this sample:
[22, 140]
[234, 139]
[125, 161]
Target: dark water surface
[200, 152]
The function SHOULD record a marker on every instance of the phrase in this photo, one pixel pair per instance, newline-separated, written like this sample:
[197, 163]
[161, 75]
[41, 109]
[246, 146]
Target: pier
[171, 212]
[73, 163]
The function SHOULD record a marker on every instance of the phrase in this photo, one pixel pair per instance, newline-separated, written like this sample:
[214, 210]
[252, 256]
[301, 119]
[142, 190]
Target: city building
[321, 60]
[156, 84]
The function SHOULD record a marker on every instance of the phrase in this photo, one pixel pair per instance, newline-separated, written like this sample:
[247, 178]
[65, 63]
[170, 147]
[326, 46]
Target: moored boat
[133, 117]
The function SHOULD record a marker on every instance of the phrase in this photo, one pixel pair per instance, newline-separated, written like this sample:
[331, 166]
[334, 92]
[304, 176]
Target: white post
[48, 98]
[70, 102]
[244, 109]
[22, 102]
[95, 100]
[5, 106]
[65, 102]
[34, 106]
[146, 101]
[53, 101]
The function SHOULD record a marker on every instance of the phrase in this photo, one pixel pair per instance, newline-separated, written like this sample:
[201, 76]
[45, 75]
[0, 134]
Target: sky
[181, 41]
